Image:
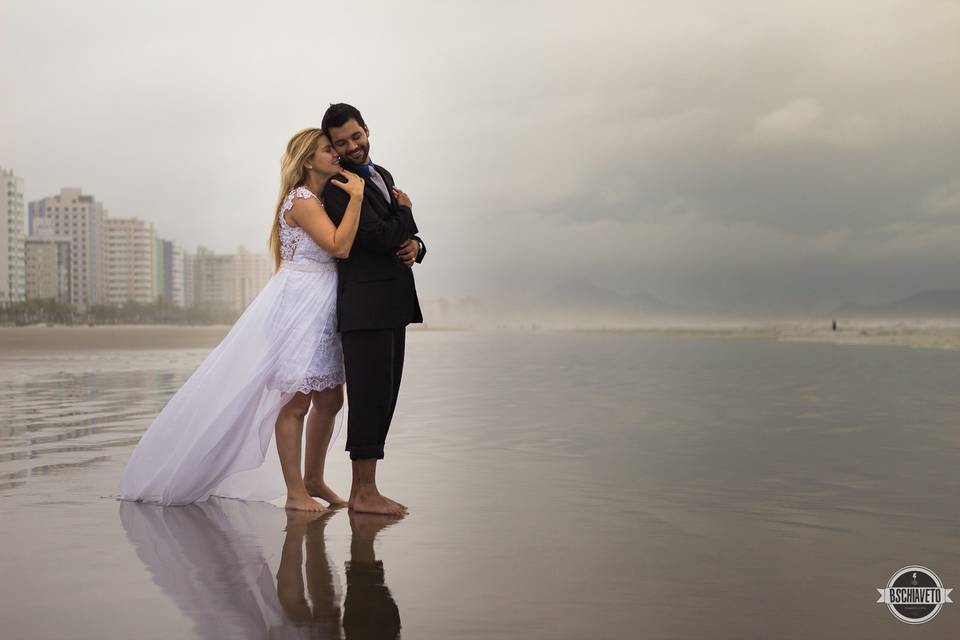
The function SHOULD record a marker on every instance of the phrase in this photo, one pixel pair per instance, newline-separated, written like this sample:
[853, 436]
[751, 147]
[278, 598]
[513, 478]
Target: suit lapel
[369, 185]
[383, 176]
[370, 190]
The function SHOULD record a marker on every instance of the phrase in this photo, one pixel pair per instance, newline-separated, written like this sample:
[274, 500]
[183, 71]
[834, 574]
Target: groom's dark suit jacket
[375, 289]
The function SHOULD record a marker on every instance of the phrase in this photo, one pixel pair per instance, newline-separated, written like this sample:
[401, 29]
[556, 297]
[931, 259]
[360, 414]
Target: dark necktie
[369, 172]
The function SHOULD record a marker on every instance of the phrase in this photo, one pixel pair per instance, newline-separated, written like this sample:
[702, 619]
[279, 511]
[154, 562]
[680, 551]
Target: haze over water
[562, 485]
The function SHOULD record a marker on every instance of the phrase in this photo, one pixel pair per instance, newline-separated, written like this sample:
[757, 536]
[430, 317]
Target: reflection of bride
[209, 559]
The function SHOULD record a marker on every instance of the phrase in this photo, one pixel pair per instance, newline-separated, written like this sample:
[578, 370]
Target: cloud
[647, 145]
[803, 122]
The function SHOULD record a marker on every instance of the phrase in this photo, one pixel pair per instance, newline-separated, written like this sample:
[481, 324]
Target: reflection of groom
[376, 300]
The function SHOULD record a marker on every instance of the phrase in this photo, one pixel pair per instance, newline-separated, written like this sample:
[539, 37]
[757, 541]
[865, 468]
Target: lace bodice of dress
[295, 244]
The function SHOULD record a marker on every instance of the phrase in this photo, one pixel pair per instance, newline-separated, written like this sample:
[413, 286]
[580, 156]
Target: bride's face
[325, 160]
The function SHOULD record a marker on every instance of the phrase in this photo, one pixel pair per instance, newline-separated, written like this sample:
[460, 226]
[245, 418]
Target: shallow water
[562, 485]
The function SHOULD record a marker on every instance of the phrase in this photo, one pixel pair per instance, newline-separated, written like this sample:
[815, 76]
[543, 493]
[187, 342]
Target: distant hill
[577, 295]
[936, 302]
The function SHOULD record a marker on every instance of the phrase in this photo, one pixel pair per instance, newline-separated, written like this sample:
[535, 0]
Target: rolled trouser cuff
[366, 452]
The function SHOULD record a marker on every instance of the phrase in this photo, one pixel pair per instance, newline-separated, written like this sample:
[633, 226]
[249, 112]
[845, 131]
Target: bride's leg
[289, 430]
[320, 422]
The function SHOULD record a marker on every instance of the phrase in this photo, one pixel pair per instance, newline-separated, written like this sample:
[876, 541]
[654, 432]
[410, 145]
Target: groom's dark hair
[338, 114]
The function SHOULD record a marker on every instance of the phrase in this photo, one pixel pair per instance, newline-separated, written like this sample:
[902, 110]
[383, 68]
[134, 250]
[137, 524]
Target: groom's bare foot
[304, 503]
[353, 496]
[322, 491]
[374, 502]
[401, 506]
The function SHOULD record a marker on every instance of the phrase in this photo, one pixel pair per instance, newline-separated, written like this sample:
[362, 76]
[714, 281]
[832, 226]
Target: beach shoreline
[100, 337]
[909, 333]
[914, 334]
[55, 338]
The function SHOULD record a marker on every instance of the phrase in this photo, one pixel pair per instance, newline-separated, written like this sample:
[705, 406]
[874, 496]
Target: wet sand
[61, 338]
[73, 338]
[561, 485]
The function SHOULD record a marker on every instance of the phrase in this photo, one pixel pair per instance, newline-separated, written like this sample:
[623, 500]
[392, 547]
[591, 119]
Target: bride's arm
[309, 214]
[376, 234]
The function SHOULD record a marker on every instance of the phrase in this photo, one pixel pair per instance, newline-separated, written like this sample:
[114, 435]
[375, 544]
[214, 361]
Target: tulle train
[216, 434]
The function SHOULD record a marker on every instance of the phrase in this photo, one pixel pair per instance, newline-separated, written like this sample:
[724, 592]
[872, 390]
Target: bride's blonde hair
[293, 173]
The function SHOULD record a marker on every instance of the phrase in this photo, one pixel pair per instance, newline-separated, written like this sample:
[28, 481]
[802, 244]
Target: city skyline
[567, 304]
[68, 248]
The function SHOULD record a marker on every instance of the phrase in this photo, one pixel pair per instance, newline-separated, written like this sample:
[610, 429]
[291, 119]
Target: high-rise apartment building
[81, 218]
[47, 264]
[189, 279]
[169, 272]
[229, 280]
[213, 279]
[253, 270]
[129, 261]
[12, 251]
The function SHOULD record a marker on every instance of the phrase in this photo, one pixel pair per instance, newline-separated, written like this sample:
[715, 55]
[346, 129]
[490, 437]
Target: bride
[234, 429]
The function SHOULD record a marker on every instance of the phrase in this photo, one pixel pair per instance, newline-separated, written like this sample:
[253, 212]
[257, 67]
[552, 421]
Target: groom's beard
[363, 158]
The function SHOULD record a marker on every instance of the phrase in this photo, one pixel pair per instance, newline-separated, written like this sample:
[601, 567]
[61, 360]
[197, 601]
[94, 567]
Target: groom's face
[351, 142]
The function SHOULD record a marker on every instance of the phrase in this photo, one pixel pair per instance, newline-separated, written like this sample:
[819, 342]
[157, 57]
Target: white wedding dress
[216, 434]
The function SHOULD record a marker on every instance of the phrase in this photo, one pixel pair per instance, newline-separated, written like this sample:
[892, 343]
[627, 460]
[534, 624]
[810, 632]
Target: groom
[376, 300]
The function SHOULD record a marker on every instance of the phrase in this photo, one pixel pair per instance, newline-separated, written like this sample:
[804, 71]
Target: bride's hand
[353, 185]
[402, 198]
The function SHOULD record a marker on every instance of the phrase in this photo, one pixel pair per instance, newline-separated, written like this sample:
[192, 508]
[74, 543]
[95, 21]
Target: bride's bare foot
[304, 503]
[322, 491]
[372, 501]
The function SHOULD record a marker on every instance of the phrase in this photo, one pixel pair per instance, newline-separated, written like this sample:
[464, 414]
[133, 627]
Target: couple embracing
[344, 241]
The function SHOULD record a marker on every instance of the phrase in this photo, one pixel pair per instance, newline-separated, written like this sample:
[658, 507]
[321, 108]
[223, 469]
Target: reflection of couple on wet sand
[369, 610]
[336, 310]
[210, 560]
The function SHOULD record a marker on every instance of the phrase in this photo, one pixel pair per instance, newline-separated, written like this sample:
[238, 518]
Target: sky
[733, 155]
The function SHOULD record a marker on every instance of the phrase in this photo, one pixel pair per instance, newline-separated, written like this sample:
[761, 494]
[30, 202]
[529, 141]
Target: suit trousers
[373, 359]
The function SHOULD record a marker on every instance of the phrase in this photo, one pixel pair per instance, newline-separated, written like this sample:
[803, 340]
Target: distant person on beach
[235, 428]
[377, 299]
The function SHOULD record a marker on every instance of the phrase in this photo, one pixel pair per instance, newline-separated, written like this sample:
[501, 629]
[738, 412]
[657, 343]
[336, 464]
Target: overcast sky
[737, 154]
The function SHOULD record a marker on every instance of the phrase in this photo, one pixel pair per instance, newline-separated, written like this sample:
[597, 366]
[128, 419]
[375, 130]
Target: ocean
[560, 485]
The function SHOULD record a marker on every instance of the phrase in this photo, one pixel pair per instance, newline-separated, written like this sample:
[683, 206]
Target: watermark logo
[914, 594]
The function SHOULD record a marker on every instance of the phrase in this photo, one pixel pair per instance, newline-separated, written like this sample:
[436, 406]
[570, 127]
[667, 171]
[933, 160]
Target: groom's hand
[408, 252]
